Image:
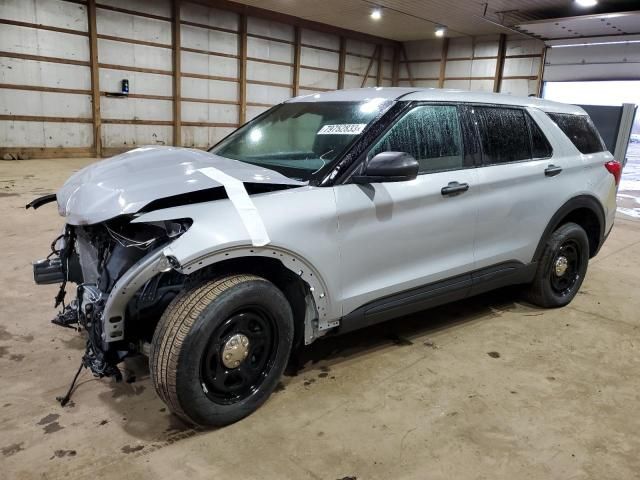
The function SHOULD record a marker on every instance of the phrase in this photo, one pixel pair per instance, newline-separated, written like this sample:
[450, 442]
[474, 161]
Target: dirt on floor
[488, 388]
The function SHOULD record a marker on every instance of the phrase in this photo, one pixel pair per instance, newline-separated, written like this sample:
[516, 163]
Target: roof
[436, 95]
[355, 94]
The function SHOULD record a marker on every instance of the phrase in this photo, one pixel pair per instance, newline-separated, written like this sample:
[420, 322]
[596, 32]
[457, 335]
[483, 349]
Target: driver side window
[429, 133]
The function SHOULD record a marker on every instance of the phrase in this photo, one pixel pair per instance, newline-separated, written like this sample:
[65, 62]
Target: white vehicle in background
[325, 214]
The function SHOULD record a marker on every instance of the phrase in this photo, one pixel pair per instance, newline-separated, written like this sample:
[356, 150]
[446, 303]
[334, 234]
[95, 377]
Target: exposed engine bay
[93, 258]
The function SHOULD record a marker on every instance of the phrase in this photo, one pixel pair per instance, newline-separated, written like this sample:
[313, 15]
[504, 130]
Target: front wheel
[561, 268]
[220, 349]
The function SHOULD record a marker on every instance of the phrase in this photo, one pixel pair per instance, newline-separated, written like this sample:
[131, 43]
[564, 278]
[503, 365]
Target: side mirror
[389, 167]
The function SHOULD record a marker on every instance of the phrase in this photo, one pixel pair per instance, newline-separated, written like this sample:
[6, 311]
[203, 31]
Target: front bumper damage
[126, 287]
[115, 281]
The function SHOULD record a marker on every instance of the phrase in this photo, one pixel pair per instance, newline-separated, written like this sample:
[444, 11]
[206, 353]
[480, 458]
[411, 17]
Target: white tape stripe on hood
[243, 204]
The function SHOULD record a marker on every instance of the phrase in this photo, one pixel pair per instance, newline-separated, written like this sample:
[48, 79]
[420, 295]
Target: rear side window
[580, 130]
[540, 147]
[431, 134]
[504, 134]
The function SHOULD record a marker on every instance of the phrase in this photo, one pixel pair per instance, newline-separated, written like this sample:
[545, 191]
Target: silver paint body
[350, 243]
[127, 182]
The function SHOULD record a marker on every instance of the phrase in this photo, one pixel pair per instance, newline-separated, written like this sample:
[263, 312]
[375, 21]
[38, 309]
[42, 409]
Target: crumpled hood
[126, 183]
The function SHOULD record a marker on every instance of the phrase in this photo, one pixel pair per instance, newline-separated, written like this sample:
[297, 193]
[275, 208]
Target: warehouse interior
[489, 387]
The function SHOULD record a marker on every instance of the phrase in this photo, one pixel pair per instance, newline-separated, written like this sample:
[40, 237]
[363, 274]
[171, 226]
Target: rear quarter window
[580, 130]
[504, 134]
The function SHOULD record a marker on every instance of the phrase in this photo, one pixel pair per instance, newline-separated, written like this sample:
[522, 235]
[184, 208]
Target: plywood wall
[195, 72]
[198, 69]
[488, 63]
[45, 94]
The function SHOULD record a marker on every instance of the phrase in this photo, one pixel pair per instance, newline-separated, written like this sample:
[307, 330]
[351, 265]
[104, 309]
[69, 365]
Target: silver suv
[325, 214]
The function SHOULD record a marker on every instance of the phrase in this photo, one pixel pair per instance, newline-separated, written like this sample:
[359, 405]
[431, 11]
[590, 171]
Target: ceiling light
[441, 30]
[376, 13]
[587, 3]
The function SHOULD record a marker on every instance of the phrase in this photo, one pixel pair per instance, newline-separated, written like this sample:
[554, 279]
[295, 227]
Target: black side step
[438, 293]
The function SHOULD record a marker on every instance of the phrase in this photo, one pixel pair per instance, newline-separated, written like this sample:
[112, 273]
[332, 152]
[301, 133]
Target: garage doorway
[612, 93]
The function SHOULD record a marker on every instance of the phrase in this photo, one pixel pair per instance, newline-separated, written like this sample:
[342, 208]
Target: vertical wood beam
[395, 69]
[502, 49]
[373, 58]
[543, 57]
[379, 69]
[297, 51]
[408, 65]
[443, 62]
[177, 75]
[341, 62]
[242, 54]
[95, 78]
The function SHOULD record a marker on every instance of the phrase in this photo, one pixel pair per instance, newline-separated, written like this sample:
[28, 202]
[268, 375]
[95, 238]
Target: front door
[396, 236]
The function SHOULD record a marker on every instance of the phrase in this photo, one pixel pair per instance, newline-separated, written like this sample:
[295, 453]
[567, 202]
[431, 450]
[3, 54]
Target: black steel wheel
[240, 355]
[561, 268]
[220, 349]
[565, 269]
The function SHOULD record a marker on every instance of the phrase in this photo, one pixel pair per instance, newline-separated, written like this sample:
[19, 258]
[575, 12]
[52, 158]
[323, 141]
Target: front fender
[301, 226]
[291, 260]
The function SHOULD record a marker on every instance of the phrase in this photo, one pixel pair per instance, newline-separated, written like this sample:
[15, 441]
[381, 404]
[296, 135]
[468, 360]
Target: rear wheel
[220, 349]
[561, 268]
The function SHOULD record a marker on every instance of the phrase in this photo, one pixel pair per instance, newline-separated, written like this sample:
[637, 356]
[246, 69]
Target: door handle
[552, 170]
[454, 188]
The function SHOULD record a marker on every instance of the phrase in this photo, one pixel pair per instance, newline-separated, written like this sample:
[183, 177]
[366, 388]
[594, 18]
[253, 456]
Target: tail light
[615, 169]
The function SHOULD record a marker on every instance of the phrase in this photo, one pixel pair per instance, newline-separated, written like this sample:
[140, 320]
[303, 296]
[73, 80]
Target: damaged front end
[120, 274]
[122, 268]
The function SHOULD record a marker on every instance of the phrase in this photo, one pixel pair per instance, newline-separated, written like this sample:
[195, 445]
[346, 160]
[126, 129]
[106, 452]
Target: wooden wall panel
[34, 41]
[135, 27]
[208, 89]
[473, 63]
[195, 72]
[51, 13]
[18, 135]
[45, 83]
[148, 7]
[143, 83]
[135, 44]
[18, 71]
[204, 39]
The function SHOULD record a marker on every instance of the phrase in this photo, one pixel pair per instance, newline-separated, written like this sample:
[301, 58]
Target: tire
[197, 369]
[549, 288]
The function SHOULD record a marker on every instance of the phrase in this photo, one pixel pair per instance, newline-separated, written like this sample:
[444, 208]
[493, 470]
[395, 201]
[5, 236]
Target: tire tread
[536, 293]
[174, 326]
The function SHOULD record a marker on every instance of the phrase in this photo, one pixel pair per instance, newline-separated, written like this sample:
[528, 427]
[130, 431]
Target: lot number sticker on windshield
[344, 129]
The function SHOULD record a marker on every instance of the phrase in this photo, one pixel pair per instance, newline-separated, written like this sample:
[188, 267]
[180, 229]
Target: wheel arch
[584, 210]
[299, 281]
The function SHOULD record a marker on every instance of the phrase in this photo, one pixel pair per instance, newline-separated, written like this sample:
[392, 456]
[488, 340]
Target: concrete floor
[486, 388]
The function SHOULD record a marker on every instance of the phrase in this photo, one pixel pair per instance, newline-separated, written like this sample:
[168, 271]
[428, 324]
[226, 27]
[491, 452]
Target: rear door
[396, 236]
[521, 183]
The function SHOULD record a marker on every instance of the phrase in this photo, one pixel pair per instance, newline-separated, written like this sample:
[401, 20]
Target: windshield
[298, 139]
